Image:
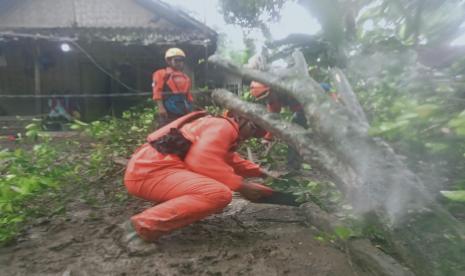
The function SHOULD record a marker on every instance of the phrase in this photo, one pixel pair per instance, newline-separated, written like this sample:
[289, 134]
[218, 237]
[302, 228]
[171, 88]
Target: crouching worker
[190, 169]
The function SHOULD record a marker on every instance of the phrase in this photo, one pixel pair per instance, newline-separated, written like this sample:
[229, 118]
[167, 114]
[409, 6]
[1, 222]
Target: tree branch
[371, 174]
[348, 97]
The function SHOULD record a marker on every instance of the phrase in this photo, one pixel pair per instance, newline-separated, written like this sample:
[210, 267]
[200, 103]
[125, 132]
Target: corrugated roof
[175, 15]
[151, 17]
[76, 13]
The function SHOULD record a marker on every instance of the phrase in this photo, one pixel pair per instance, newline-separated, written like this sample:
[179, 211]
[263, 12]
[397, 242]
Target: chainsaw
[279, 198]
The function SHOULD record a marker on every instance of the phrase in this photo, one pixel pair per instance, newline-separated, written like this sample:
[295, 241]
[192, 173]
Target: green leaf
[457, 122]
[6, 207]
[426, 110]
[320, 238]
[81, 123]
[437, 147]
[10, 176]
[31, 133]
[458, 196]
[31, 126]
[306, 166]
[407, 116]
[387, 127]
[460, 131]
[403, 31]
[343, 232]
[17, 189]
[75, 127]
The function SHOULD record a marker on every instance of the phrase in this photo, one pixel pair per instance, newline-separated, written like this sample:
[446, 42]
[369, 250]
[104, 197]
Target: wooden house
[88, 52]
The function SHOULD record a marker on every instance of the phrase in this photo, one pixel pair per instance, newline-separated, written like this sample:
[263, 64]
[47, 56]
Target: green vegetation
[27, 172]
[44, 171]
[396, 54]
[42, 165]
[408, 74]
[402, 65]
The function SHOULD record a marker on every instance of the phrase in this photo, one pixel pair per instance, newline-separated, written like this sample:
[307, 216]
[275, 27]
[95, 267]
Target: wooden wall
[74, 73]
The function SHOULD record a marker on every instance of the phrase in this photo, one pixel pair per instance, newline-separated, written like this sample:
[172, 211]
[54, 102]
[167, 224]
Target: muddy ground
[246, 239]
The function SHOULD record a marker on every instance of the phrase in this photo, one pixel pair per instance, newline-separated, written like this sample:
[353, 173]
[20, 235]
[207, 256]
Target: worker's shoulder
[223, 123]
[160, 72]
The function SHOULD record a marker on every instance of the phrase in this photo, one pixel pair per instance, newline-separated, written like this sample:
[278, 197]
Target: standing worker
[171, 88]
[190, 169]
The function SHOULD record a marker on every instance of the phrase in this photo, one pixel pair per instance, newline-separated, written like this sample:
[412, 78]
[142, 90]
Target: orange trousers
[183, 196]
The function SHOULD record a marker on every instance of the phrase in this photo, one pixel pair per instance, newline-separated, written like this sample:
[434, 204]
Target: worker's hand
[161, 109]
[253, 191]
[162, 112]
[265, 142]
[273, 174]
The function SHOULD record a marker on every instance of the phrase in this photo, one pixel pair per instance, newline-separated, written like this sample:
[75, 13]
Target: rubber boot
[132, 243]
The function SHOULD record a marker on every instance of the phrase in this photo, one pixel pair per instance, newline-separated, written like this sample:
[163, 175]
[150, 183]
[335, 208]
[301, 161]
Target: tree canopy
[408, 75]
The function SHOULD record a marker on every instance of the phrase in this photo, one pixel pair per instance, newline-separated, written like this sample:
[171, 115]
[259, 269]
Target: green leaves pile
[23, 175]
[42, 166]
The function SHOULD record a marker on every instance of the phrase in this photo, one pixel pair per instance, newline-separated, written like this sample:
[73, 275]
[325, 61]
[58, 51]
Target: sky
[294, 20]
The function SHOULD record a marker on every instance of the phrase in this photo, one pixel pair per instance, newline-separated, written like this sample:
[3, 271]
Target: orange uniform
[274, 103]
[190, 189]
[170, 80]
[172, 87]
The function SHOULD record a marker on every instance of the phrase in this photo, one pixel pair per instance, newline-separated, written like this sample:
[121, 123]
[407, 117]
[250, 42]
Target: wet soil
[246, 239]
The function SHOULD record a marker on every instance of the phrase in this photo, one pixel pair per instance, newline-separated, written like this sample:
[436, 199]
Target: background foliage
[403, 65]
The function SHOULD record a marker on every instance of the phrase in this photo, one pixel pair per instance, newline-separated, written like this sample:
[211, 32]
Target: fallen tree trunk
[367, 169]
[311, 148]
[312, 151]
[362, 251]
[348, 96]
[347, 138]
[368, 257]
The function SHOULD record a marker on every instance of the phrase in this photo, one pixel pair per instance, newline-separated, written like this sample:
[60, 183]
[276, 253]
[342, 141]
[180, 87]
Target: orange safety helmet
[174, 52]
[259, 90]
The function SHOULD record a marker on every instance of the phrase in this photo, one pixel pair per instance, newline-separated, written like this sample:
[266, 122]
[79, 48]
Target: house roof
[129, 21]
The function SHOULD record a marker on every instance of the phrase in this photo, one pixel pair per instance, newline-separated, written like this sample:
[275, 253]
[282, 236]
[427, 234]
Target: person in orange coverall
[171, 88]
[190, 169]
[274, 103]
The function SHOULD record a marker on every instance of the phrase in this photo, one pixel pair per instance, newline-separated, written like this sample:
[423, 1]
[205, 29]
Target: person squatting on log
[171, 88]
[274, 104]
[189, 168]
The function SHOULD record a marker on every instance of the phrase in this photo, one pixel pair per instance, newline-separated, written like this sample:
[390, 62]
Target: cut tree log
[344, 89]
[367, 169]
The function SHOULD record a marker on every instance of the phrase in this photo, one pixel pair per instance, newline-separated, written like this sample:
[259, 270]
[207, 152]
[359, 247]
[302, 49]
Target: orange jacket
[210, 154]
[274, 102]
[176, 82]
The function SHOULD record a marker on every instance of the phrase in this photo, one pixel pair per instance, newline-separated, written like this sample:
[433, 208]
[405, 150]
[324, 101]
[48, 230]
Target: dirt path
[246, 239]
